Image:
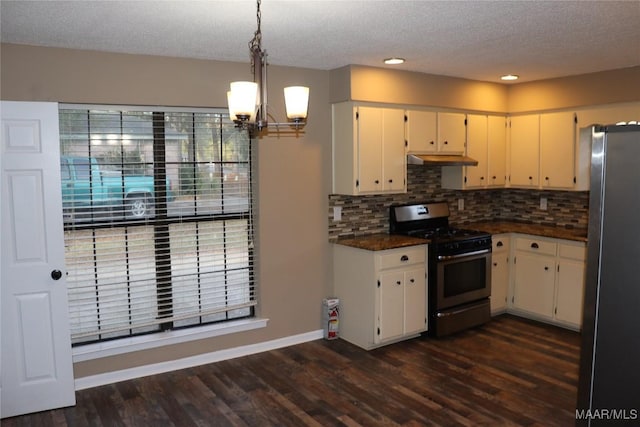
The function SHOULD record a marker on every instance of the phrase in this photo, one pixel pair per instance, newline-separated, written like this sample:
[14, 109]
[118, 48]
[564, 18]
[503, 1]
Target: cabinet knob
[432, 142]
[390, 180]
[495, 264]
[534, 246]
[404, 258]
[446, 143]
[377, 181]
[494, 177]
[546, 268]
[482, 178]
[530, 177]
[546, 178]
[499, 244]
[412, 280]
[398, 282]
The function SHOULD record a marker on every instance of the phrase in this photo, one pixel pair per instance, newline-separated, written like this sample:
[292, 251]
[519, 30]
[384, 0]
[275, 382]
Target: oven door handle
[464, 255]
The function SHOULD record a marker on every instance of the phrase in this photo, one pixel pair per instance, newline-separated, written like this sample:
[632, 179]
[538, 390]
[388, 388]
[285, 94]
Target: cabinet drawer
[500, 243]
[573, 252]
[536, 246]
[400, 258]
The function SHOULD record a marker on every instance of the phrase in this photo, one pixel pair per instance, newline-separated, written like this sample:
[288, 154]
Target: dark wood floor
[508, 372]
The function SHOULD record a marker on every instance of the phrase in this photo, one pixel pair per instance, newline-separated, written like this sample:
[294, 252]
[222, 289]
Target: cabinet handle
[431, 142]
[534, 246]
[530, 177]
[377, 181]
[546, 268]
[495, 264]
[494, 177]
[404, 258]
[390, 180]
[482, 178]
[446, 143]
[546, 178]
[412, 280]
[398, 282]
[499, 244]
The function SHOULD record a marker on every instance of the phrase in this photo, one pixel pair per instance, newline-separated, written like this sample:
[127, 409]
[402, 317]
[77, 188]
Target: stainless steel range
[459, 266]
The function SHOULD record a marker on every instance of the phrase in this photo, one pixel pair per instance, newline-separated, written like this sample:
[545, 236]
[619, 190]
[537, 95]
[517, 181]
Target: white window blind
[158, 220]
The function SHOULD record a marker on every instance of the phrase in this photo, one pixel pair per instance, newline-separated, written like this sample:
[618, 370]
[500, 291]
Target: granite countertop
[381, 242]
[499, 227]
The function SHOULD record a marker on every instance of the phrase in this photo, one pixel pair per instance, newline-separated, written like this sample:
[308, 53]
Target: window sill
[145, 342]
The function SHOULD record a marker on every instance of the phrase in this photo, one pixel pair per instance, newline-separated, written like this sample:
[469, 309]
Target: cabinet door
[415, 298]
[570, 291]
[370, 137]
[394, 157]
[534, 283]
[557, 149]
[499, 281]
[497, 151]
[525, 155]
[391, 310]
[421, 131]
[476, 176]
[451, 132]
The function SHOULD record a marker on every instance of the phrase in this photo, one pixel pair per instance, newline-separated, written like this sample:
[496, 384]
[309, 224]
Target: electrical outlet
[543, 203]
[337, 213]
[460, 204]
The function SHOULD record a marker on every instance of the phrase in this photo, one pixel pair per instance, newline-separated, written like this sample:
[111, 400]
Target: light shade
[296, 100]
[509, 77]
[242, 99]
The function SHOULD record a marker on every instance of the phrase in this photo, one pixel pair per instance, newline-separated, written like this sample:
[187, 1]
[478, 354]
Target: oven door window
[463, 280]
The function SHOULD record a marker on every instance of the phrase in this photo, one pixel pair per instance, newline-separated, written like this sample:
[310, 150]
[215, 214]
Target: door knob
[56, 274]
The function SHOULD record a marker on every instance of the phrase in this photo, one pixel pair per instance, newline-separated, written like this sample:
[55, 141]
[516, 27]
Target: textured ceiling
[472, 39]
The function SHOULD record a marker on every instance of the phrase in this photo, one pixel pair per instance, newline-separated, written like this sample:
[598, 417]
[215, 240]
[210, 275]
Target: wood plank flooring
[510, 371]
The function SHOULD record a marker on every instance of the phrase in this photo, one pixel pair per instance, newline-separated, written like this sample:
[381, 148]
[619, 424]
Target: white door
[36, 371]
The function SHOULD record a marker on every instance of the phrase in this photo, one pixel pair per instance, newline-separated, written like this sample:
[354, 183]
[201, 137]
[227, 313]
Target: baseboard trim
[188, 362]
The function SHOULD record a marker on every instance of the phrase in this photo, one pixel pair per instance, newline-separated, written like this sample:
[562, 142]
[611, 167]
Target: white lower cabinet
[383, 294]
[548, 280]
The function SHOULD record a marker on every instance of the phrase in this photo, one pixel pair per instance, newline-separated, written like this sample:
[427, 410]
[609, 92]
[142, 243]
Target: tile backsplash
[370, 214]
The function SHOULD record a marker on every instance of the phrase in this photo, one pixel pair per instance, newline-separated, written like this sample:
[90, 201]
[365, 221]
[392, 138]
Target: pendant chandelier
[248, 100]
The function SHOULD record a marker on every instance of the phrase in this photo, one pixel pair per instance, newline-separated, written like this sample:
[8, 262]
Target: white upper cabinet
[435, 132]
[421, 131]
[557, 150]
[525, 151]
[486, 143]
[451, 132]
[497, 154]
[369, 154]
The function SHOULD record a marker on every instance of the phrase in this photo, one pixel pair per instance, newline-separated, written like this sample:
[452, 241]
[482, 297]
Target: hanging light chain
[255, 44]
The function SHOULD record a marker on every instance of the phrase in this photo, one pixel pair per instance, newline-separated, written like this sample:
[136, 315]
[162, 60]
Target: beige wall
[293, 173]
[381, 85]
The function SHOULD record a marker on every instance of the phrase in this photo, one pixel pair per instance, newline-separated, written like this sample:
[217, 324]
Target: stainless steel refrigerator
[609, 382]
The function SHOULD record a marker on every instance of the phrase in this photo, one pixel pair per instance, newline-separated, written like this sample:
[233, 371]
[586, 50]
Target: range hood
[440, 160]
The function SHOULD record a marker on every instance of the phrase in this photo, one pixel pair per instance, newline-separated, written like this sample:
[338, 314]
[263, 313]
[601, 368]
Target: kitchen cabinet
[548, 280]
[525, 151]
[435, 132]
[570, 283]
[369, 155]
[383, 294]
[499, 272]
[557, 150]
[486, 143]
[534, 276]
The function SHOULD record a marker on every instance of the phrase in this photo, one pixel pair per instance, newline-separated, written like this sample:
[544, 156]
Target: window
[158, 220]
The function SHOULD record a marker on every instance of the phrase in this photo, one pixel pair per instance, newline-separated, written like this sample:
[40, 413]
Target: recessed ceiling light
[394, 61]
[509, 77]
